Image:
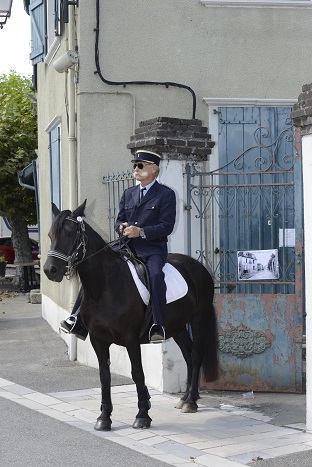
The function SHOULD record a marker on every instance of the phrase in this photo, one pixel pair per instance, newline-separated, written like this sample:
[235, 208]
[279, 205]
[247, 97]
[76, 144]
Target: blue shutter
[38, 31]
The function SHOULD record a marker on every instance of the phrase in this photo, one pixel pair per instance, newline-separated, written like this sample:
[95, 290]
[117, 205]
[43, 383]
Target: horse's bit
[80, 241]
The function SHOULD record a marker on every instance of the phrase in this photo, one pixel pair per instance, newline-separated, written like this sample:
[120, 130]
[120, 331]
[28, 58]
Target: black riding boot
[74, 324]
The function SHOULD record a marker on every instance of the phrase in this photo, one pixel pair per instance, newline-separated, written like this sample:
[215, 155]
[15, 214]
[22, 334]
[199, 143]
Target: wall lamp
[65, 61]
[5, 11]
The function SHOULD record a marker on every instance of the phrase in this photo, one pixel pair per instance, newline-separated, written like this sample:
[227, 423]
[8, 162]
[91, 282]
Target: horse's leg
[142, 419]
[103, 422]
[199, 334]
[185, 343]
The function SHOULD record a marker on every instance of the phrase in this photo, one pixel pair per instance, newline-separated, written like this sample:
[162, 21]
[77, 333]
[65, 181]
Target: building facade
[102, 68]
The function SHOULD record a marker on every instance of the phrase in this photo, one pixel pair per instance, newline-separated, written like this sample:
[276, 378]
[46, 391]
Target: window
[55, 166]
[53, 20]
[45, 20]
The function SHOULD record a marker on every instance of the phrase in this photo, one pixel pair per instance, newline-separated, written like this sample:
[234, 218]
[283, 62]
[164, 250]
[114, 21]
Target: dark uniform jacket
[156, 214]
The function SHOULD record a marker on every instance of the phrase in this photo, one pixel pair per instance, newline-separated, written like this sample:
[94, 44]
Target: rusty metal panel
[259, 343]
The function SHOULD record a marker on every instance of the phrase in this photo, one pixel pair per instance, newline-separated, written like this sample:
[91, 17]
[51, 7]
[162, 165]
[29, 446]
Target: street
[49, 405]
[33, 356]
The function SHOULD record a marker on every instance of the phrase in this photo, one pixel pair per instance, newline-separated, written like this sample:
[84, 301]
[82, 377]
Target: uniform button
[135, 223]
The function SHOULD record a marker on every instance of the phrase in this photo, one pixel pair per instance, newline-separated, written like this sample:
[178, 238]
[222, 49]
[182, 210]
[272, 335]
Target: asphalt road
[32, 355]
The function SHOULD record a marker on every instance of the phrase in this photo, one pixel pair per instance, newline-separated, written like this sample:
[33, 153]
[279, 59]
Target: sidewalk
[228, 430]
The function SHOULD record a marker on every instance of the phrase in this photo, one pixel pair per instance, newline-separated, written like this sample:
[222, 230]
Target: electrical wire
[124, 83]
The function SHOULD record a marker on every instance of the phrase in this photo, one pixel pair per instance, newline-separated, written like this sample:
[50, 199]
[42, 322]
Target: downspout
[72, 161]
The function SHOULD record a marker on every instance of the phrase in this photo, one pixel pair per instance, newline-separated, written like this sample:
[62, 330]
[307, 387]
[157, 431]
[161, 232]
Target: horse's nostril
[50, 271]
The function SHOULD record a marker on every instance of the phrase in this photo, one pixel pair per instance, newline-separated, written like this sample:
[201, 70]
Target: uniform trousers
[155, 264]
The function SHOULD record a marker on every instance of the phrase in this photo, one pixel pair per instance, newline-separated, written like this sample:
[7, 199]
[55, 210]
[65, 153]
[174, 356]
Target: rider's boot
[74, 325]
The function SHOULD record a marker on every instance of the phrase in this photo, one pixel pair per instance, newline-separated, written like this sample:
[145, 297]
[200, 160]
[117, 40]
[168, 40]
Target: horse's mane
[95, 241]
[57, 224]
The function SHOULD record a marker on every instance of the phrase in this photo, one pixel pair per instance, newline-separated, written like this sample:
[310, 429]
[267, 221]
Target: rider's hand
[132, 231]
[122, 228]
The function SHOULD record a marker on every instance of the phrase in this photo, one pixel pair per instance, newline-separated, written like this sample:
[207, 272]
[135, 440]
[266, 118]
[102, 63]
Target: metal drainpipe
[72, 161]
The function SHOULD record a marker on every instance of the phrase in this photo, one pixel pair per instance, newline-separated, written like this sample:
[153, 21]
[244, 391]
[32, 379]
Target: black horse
[113, 311]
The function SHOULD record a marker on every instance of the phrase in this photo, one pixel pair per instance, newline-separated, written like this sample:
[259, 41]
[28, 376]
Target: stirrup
[163, 337]
[71, 322]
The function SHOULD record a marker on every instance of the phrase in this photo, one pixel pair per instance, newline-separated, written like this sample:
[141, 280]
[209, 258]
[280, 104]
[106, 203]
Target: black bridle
[80, 241]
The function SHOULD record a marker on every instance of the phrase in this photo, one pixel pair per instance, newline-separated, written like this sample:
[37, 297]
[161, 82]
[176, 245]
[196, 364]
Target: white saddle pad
[175, 282]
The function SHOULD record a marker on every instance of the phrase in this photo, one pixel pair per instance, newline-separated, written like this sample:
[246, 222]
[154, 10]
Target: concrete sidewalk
[228, 430]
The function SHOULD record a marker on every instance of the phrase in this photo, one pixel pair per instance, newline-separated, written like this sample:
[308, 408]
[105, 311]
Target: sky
[15, 42]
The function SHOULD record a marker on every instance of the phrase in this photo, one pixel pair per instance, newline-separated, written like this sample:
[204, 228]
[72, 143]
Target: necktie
[142, 193]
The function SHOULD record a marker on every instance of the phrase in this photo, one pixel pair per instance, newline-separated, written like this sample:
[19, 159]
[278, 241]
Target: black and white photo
[255, 265]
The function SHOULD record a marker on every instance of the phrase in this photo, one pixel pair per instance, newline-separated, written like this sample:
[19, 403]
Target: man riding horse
[146, 217]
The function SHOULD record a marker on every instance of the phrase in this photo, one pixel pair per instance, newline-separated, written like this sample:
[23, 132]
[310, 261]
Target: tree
[18, 141]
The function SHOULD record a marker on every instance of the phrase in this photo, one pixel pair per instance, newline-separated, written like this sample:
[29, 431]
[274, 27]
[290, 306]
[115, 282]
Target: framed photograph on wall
[257, 265]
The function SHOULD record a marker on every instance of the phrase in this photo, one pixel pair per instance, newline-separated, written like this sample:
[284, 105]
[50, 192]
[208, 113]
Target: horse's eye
[68, 233]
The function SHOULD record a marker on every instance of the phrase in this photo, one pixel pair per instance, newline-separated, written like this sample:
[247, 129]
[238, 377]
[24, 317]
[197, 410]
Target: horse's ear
[80, 210]
[55, 210]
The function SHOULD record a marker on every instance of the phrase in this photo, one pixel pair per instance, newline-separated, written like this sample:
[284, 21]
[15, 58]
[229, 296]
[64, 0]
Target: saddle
[175, 282]
[121, 247]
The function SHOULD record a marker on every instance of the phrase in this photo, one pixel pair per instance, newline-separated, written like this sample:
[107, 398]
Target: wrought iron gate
[245, 225]
[115, 185]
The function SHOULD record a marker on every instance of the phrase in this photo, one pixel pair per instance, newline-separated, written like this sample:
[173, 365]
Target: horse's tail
[209, 366]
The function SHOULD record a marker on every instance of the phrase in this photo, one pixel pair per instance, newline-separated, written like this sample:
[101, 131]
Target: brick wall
[302, 111]
[173, 138]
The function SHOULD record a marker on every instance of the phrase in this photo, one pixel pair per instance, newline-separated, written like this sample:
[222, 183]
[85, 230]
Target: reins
[81, 241]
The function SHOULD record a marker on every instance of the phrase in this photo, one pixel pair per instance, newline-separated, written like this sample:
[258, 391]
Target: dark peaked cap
[146, 156]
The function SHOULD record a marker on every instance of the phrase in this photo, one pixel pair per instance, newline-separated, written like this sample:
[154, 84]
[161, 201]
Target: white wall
[307, 196]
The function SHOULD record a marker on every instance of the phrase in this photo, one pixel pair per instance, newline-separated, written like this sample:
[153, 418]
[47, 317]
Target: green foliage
[18, 141]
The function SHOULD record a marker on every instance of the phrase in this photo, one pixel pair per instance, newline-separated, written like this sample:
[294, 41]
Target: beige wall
[51, 97]
[219, 52]
[228, 52]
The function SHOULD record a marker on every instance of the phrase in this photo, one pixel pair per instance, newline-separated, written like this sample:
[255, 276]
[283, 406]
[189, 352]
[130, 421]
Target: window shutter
[38, 35]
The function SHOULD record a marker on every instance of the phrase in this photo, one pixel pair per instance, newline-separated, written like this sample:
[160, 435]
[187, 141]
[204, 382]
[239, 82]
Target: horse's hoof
[179, 404]
[103, 425]
[142, 423]
[189, 407]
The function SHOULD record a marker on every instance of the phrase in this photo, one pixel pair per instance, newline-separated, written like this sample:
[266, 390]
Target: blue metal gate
[115, 184]
[245, 224]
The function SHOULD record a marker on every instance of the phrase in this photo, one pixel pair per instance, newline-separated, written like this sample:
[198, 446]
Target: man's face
[146, 174]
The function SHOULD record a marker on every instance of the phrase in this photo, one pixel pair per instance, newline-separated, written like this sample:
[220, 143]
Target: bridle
[72, 257]
[81, 240]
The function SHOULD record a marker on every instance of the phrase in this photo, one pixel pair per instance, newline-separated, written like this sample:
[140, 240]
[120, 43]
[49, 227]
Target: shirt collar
[149, 185]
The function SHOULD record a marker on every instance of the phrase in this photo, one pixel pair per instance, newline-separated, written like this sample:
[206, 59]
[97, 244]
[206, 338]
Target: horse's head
[68, 242]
